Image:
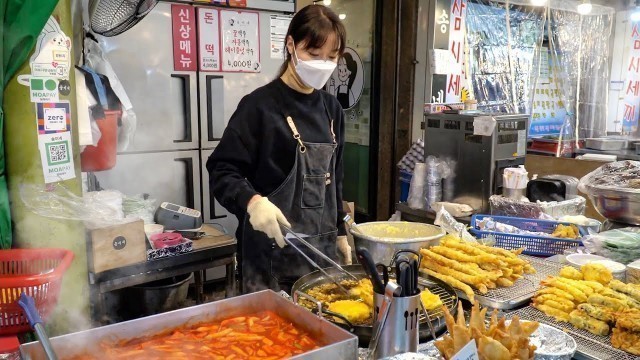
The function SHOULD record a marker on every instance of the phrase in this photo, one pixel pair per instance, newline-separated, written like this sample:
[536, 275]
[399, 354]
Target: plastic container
[9, 348]
[157, 296]
[37, 272]
[633, 272]
[103, 156]
[405, 183]
[534, 245]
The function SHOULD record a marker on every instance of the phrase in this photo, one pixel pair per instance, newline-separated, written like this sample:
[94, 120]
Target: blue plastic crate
[534, 245]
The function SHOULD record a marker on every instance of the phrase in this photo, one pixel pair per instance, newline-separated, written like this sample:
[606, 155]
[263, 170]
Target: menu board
[240, 37]
[208, 39]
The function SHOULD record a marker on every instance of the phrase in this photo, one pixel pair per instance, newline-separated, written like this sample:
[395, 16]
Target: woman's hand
[266, 217]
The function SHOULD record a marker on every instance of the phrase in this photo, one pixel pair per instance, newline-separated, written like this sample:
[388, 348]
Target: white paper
[279, 26]
[56, 156]
[522, 142]
[484, 125]
[52, 53]
[209, 39]
[468, 352]
[442, 62]
[84, 120]
[240, 41]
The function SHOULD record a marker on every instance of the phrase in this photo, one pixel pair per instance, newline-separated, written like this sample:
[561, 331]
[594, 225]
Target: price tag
[468, 352]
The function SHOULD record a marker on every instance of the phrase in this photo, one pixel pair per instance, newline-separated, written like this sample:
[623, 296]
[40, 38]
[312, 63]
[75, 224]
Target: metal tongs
[319, 253]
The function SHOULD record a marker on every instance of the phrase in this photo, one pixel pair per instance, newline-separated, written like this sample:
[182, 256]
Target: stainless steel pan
[364, 332]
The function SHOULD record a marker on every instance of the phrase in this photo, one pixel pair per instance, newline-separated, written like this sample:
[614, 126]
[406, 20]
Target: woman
[347, 71]
[280, 159]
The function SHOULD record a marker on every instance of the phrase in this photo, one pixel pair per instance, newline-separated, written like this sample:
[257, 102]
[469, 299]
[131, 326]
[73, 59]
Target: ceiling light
[538, 2]
[635, 12]
[326, 2]
[585, 7]
[342, 16]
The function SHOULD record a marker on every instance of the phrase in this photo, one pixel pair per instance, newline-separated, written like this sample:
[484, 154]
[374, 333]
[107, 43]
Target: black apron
[307, 198]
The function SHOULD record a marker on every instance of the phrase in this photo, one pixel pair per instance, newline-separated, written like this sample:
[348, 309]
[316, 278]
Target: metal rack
[590, 346]
[507, 298]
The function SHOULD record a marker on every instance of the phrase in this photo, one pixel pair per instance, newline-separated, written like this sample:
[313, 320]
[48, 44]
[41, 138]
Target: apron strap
[296, 134]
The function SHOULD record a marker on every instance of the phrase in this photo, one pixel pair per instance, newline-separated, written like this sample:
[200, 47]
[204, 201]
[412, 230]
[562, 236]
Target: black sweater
[257, 149]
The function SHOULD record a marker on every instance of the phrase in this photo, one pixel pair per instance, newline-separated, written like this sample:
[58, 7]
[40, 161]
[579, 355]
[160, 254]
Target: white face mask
[314, 73]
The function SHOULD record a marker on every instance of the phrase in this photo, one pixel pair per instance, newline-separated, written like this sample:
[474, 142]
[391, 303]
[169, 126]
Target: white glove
[345, 250]
[264, 216]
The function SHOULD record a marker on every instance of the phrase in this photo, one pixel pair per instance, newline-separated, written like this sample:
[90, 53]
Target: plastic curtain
[549, 62]
[22, 21]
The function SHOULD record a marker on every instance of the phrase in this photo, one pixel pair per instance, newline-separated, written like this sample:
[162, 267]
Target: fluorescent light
[538, 2]
[585, 7]
[635, 14]
[326, 2]
[342, 16]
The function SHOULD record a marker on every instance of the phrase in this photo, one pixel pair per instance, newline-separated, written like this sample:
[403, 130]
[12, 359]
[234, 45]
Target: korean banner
[632, 84]
[457, 48]
[183, 19]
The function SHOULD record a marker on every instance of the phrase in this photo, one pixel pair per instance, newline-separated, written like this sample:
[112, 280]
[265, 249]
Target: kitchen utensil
[402, 273]
[364, 258]
[334, 342]
[29, 306]
[315, 265]
[578, 260]
[399, 326]
[385, 272]
[352, 224]
[416, 274]
[318, 252]
[364, 331]
[392, 289]
[384, 238]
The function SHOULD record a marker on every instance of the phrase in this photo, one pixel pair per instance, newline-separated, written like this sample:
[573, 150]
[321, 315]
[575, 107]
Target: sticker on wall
[56, 156]
[43, 90]
[279, 24]
[52, 54]
[347, 81]
[54, 117]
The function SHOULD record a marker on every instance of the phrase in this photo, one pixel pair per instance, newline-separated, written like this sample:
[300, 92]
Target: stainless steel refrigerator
[181, 115]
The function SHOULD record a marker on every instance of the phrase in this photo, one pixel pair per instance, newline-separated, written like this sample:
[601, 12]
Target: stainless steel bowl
[384, 238]
[616, 205]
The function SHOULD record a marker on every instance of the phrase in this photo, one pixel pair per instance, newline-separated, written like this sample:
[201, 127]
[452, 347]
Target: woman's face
[328, 52]
[343, 70]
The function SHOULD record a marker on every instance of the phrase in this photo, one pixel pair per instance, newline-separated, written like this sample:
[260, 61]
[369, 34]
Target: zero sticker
[55, 119]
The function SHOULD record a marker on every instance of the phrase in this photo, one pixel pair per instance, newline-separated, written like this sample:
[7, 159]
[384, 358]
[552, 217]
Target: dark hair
[352, 66]
[312, 26]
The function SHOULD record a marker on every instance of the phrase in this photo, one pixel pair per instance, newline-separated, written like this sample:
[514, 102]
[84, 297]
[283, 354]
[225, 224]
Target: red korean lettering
[455, 50]
[633, 87]
[457, 23]
[457, 7]
[634, 32]
[634, 64]
[454, 85]
[629, 112]
[208, 18]
[209, 48]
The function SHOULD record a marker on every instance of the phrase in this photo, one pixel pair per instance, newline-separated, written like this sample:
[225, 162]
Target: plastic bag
[452, 226]
[97, 208]
[140, 206]
[621, 245]
[552, 210]
[623, 176]
[96, 60]
[416, 198]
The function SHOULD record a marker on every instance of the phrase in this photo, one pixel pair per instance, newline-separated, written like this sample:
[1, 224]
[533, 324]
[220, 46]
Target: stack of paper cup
[515, 182]
[416, 198]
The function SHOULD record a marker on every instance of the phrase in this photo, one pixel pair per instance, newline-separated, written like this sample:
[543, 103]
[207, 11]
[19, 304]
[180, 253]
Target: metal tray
[339, 344]
[590, 347]
[605, 144]
[507, 298]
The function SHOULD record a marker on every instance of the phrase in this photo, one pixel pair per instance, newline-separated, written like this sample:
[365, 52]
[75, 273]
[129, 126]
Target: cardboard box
[117, 246]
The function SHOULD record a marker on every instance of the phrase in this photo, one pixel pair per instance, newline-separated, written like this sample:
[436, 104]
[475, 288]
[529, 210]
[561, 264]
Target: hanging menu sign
[240, 41]
[209, 39]
[631, 100]
[183, 19]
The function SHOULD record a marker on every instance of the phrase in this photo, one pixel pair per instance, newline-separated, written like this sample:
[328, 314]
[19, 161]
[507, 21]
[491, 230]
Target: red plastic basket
[38, 273]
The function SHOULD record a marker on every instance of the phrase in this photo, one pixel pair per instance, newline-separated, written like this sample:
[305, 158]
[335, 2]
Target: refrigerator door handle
[186, 91]
[210, 110]
[189, 181]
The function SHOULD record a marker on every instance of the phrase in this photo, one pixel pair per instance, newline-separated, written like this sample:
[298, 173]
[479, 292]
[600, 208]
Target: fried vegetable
[559, 315]
[570, 272]
[596, 272]
[581, 320]
[429, 300]
[597, 312]
[614, 304]
[355, 311]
